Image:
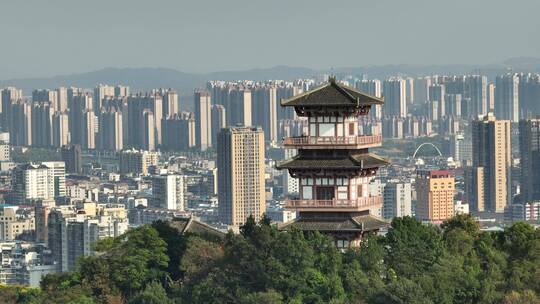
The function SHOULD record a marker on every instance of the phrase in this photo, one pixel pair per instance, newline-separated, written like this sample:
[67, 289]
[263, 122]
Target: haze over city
[48, 38]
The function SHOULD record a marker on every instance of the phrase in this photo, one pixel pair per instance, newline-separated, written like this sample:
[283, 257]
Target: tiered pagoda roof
[356, 160]
[332, 94]
[326, 223]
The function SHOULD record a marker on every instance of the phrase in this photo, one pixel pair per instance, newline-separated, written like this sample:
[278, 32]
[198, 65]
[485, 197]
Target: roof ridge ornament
[332, 78]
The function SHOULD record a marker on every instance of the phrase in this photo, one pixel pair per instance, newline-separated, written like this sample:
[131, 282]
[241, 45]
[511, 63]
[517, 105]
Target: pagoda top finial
[332, 78]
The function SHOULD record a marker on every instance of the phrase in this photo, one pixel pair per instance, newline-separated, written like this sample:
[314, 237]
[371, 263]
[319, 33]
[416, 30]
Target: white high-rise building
[168, 192]
[397, 199]
[203, 119]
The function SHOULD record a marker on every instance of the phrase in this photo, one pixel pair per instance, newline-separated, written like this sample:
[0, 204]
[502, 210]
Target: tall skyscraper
[110, 135]
[491, 165]
[79, 105]
[491, 97]
[62, 99]
[88, 130]
[20, 120]
[435, 190]
[476, 89]
[179, 132]
[529, 150]
[264, 111]
[42, 123]
[72, 157]
[421, 89]
[7, 97]
[218, 121]
[170, 103]
[436, 98]
[240, 164]
[101, 91]
[507, 97]
[203, 119]
[239, 109]
[397, 199]
[395, 100]
[147, 136]
[121, 91]
[168, 192]
[49, 96]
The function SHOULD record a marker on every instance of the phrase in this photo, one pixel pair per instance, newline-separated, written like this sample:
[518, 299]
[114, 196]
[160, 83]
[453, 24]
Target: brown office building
[435, 191]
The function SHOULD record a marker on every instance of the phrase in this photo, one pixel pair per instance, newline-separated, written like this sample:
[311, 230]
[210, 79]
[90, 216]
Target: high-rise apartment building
[218, 121]
[435, 191]
[395, 100]
[397, 200]
[264, 111]
[137, 162]
[72, 234]
[170, 103]
[436, 97]
[507, 97]
[178, 132]
[490, 177]
[101, 91]
[110, 135]
[20, 123]
[7, 97]
[203, 119]
[42, 123]
[529, 150]
[240, 164]
[72, 157]
[168, 192]
[239, 108]
[476, 90]
[60, 129]
[38, 181]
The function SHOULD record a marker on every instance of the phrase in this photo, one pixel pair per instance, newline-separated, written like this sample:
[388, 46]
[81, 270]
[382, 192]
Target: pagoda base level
[347, 229]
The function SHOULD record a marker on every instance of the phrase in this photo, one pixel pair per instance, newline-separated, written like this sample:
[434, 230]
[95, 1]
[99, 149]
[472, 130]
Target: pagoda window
[307, 192]
[325, 193]
[327, 129]
[312, 129]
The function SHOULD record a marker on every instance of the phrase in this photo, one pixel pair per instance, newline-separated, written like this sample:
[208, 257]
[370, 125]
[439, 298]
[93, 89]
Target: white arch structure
[426, 144]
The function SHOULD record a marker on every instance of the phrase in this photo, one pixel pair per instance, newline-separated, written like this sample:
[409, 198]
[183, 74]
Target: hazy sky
[45, 38]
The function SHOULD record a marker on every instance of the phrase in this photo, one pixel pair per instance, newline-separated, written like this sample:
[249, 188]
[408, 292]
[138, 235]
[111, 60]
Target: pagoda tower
[333, 165]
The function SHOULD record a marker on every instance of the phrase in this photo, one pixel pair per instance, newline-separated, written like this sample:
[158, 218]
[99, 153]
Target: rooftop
[332, 94]
[354, 160]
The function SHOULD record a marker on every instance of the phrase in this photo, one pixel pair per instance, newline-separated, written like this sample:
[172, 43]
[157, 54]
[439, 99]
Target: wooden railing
[335, 203]
[333, 140]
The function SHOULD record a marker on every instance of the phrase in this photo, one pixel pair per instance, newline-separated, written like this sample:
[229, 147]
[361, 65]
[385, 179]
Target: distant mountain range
[141, 79]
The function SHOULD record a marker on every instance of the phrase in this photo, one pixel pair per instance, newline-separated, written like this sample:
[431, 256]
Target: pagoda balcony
[346, 205]
[334, 142]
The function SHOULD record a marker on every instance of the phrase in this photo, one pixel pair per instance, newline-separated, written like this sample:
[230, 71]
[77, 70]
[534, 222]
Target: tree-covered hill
[413, 263]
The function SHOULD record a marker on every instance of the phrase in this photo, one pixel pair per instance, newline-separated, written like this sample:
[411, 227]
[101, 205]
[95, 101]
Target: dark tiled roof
[359, 160]
[332, 94]
[184, 225]
[355, 223]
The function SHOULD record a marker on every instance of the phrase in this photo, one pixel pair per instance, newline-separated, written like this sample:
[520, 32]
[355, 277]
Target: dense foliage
[412, 263]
